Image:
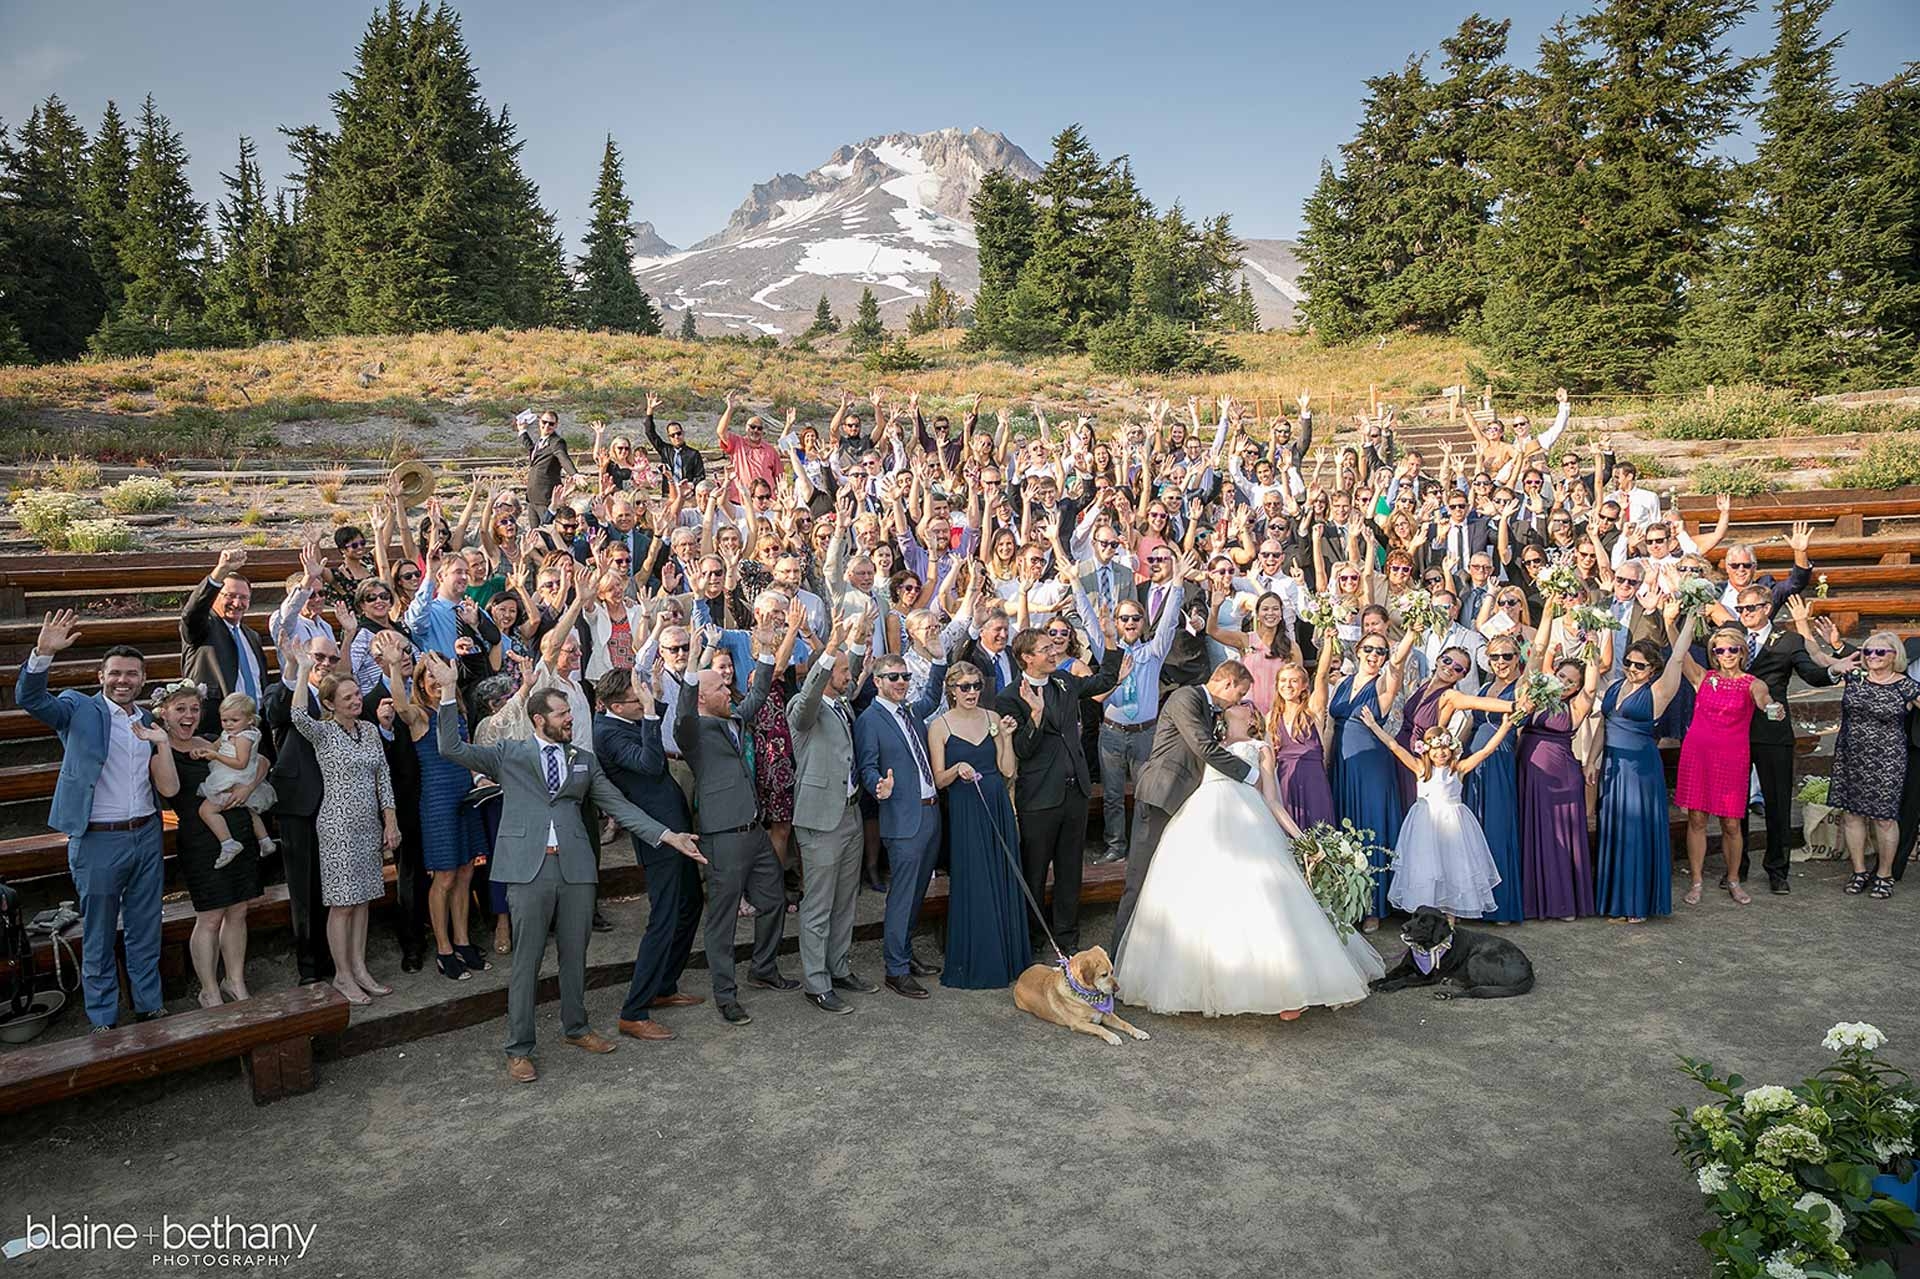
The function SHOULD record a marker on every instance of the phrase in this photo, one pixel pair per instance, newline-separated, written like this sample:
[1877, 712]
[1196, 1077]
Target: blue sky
[1223, 106]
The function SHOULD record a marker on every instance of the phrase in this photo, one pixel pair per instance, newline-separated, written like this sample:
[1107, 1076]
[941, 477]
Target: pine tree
[943, 306]
[1004, 215]
[824, 320]
[246, 292]
[103, 200]
[1334, 272]
[1611, 191]
[866, 331]
[163, 249]
[610, 296]
[51, 293]
[688, 333]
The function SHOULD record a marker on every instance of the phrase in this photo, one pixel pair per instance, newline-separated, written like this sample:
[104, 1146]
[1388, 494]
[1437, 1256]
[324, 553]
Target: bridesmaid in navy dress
[1297, 727]
[971, 750]
[1492, 790]
[1556, 868]
[1635, 862]
[1366, 791]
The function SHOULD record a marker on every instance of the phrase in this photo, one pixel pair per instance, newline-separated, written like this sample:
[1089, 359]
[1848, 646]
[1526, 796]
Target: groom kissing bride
[1222, 920]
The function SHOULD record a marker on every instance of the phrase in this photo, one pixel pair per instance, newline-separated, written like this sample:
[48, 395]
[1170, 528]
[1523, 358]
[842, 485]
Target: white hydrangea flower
[1836, 1223]
[1780, 1267]
[1901, 1106]
[1886, 1150]
[1767, 1099]
[1712, 1178]
[1853, 1034]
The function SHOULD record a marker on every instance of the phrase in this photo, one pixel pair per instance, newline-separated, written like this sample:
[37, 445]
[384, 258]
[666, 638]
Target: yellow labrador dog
[1080, 997]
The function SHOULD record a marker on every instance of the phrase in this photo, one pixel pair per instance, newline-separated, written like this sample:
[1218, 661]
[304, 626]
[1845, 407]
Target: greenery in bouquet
[1814, 790]
[1789, 1172]
[1418, 612]
[1542, 693]
[1323, 612]
[1696, 596]
[1562, 581]
[1589, 622]
[1340, 867]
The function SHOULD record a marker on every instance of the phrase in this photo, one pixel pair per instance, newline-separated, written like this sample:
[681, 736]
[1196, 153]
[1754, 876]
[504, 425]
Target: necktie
[1106, 585]
[919, 748]
[1753, 647]
[853, 768]
[553, 770]
[241, 656]
[1155, 598]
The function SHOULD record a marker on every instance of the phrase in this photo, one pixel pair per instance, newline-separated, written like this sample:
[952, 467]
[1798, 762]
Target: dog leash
[1019, 875]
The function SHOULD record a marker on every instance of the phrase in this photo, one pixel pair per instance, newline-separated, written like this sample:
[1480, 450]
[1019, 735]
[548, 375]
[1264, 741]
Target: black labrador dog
[1465, 965]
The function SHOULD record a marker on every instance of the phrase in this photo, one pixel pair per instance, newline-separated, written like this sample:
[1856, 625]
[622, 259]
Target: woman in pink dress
[1263, 651]
[1714, 758]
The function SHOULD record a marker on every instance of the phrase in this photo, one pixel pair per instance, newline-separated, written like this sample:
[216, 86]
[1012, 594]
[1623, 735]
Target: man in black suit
[987, 648]
[1774, 657]
[681, 462]
[547, 461]
[1185, 744]
[1742, 566]
[218, 650]
[626, 739]
[1054, 782]
[298, 787]
[1459, 534]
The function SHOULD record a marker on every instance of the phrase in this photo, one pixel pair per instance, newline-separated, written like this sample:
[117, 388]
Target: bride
[1226, 923]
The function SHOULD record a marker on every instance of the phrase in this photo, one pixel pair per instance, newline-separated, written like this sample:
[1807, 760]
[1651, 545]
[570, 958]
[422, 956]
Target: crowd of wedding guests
[856, 656]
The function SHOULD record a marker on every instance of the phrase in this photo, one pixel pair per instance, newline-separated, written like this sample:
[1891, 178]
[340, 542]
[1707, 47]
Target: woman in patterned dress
[356, 824]
[777, 628]
[1714, 755]
[1870, 758]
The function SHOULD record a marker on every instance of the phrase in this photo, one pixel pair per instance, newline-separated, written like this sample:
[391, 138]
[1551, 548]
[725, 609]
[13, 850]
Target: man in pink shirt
[753, 458]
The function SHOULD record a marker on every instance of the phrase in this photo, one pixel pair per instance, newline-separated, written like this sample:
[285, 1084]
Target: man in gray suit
[826, 816]
[543, 857]
[1185, 744]
[712, 733]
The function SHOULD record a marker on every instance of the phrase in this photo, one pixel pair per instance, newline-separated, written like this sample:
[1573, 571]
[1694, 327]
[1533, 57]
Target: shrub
[252, 517]
[1649, 466]
[73, 474]
[254, 539]
[130, 382]
[45, 515]
[138, 494]
[126, 404]
[1887, 464]
[94, 536]
[893, 356]
[1742, 479]
[1135, 344]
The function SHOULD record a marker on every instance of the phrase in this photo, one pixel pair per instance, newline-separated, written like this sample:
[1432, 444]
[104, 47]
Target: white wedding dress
[1226, 923]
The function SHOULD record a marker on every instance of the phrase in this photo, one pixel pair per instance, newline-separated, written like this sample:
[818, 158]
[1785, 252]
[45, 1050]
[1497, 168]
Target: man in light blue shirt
[433, 618]
[1132, 708]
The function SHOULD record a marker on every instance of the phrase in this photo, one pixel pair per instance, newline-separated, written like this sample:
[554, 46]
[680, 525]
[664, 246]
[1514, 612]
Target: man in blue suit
[890, 739]
[626, 737]
[104, 804]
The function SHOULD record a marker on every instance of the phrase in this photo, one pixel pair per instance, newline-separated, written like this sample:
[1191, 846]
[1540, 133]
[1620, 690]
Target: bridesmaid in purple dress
[1436, 702]
[1556, 862]
[1297, 728]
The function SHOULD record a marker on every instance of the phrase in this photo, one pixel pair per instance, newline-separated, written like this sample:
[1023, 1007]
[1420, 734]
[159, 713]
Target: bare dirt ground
[1402, 1137]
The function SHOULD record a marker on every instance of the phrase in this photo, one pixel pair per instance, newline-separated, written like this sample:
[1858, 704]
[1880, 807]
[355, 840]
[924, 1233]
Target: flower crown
[1434, 737]
[176, 688]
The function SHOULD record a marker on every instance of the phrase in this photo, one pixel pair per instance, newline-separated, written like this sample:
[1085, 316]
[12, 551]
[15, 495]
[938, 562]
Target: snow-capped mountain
[888, 214]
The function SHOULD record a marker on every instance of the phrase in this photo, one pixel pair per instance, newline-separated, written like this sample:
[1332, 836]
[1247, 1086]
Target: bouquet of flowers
[1800, 1177]
[1590, 621]
[1339, 864]
[1542, 691]
[1820, 589]
[1419, 613]
[1323, 612]
[1561, 580]
[1697, 595]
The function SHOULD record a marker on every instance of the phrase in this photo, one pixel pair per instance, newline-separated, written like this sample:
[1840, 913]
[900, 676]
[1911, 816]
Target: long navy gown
[1634, 870]
[1493, 796]
[987, 943]
[1366, 785]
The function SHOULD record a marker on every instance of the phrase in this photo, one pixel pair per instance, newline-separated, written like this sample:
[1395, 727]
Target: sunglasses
[1877, 652]
[1720, 650]
[1733, 564]
[1757, 604]
[549, 421]
[1514, 602]
[1108, 545]
[1399, 570]
[1501, 657]
[894, 677]
[1657, 541]
[325, 659]
[964, 688]
[1131, 619]
[1159, 559]
[1447, 663]
[1271, 555]
[371, 596]
[1373, 650]
[1626, 581]
[1637, 665]
[357, 544]
[674, 648]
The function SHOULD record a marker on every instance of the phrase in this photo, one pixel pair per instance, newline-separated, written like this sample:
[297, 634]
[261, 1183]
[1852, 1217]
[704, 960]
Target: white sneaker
[229, 849]
[267, 846]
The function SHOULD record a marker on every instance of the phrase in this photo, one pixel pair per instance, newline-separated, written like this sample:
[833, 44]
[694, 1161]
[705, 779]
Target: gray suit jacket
[822, 750]
[722, 784]
[1184, 747]
[526, 809]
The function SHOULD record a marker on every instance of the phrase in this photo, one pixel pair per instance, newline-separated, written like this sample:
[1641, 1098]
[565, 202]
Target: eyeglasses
[674, 648]
[1721, 650]
[1877, 652]
[894, 677]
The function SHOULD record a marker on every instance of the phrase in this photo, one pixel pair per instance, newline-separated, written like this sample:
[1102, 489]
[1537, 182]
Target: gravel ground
[959, 1137]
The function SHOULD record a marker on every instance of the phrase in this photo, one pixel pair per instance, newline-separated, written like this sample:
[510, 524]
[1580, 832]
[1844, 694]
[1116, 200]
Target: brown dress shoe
[643, 1029]
[675, 1001]
[592, 1042]
[521, 1071]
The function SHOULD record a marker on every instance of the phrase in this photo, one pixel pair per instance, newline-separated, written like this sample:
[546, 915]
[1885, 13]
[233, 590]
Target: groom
[1186, 742]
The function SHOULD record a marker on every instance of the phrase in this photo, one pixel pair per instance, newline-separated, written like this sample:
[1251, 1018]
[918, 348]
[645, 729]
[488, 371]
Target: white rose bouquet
[1418, 612]
[1340, 866]
[1561, 580]
[1323, 612]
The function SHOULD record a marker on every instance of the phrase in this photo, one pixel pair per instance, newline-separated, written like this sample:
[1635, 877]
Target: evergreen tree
[1004, 215]
[688, 333]
[1219, 266]
[866, 331]
[610, 297]
[240, 306]
[943, 306]
[1334, 273]
[103, 201]
[824, 320]
[50, 291]
[1611, 191]
[163, 248]
[1242, 315]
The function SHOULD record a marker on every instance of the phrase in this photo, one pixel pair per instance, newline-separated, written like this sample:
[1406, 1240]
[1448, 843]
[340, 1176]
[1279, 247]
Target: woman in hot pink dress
[1714, 759]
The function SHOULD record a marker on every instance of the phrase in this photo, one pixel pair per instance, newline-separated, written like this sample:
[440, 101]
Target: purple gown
[1301, 769]
[1556, 869]
[1421, 713]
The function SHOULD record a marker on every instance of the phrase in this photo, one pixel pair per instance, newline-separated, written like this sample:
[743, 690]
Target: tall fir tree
[1612, 191]
[824, 320]
[689, 331]
[163, 250]
[51, 293]
[610, 296]
[247, 298]
[1004, 216]
[103, 201]
[866, 332]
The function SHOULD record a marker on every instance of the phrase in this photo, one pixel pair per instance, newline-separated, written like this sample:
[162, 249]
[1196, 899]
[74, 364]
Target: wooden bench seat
[1810, 504]
[271, 1033]
[150, 633]
[134, 570]
[1825, 552]
[85, 672]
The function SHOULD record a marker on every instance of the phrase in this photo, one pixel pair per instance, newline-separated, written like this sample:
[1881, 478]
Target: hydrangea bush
[1789, 1172]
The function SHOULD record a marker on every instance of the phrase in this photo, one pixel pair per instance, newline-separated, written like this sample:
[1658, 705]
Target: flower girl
[1442, 856]
[236, 762]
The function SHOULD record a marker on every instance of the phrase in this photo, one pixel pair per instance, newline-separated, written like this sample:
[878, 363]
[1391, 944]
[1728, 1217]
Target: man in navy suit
[890, 738]
[104, 804]
[626, 738]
